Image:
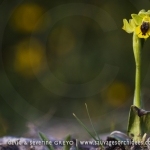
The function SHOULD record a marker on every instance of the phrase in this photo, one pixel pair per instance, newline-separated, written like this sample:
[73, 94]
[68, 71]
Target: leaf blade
[67, 146]
[44, 138]
[85, 127]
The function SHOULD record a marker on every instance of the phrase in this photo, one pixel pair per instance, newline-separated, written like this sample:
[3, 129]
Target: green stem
[137, 55]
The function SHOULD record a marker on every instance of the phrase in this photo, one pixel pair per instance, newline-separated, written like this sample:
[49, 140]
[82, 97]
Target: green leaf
[44, 138]
[138, 123]
[137, 19]
[91, 122]
[92, 125]
[146, 122]
[67, 146]
[134, 129]
[85, 127]
[127, 27]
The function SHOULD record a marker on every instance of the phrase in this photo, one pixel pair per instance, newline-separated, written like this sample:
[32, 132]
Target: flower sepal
[128, 26]
[137, 19]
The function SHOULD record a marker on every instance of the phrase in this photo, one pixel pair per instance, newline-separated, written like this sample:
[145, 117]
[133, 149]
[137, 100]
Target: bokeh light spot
[26, 16]
[29, 56]
[118, 93]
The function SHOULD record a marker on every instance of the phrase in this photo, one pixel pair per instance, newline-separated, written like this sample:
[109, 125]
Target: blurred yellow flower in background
[26, 16]
[28, 57]
[118, 93]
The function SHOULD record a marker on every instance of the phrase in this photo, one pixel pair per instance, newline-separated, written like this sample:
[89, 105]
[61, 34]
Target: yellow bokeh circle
[29, 56]
[26, 16]
[118, 93]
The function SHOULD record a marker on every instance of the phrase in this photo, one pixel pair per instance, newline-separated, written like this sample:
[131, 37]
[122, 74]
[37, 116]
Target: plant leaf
[85, 127]
[138, 123]
[67, 146]
[91, 122]
[44, 138]
[137, 19]
[146, 122]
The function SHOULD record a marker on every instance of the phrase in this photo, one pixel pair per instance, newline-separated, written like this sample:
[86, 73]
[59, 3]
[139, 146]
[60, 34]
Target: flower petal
[142, 13]
[148, 11]
[132, 23]
[137, 19]
[146, 18]
[127, 26]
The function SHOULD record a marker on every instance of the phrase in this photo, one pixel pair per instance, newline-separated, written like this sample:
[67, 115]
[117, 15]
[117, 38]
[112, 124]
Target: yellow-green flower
[140, 24]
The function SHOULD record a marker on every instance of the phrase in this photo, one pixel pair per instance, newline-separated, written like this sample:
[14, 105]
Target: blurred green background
[58, 55]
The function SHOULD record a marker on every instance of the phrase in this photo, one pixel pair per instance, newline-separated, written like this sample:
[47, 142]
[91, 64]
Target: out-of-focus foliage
[39, 44]
[3, 126]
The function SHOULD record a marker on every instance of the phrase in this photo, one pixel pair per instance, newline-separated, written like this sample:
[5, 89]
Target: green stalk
[137, 54]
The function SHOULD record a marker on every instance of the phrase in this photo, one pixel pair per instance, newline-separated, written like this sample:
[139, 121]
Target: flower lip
[144, 27]
[143, 30]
